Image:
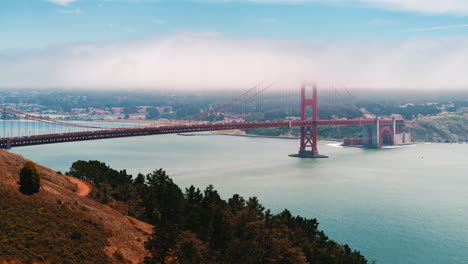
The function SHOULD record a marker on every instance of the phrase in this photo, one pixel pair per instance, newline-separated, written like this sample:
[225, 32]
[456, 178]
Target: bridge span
[176, 129]
[376, 132]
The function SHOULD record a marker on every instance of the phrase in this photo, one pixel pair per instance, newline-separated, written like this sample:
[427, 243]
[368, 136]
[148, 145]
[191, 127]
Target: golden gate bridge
[376, 132]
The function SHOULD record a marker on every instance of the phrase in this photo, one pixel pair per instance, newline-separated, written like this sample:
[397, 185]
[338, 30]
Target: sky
[151, 44]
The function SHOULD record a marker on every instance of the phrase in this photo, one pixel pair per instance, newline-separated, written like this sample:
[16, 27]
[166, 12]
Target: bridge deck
[175, 129]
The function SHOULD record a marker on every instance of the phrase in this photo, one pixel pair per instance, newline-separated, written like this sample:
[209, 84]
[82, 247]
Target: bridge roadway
[6, 143]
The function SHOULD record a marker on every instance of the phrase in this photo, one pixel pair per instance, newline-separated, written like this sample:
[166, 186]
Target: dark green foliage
[236, 203]
[213, 231]
[255, 117]
[29, 179]
[190, 249]
[97, 172]
[163, 196]
[162, 242]
[32, 231]
[130, 110]
[409, 112]
[153, 113]
[111, 184]
[339, 132]
[328, 132]
[269, 132]
[184, 110]
[276, 114]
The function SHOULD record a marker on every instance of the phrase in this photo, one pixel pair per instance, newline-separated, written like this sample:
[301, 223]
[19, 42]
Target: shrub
[29, 181]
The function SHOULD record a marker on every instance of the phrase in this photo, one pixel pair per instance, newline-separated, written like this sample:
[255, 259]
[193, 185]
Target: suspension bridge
[43, 130]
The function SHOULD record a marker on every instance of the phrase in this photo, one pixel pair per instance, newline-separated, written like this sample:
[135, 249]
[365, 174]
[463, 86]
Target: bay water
[396, 205]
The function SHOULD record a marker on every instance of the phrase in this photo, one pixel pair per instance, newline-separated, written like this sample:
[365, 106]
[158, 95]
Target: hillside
[60, 224]
[450, 127]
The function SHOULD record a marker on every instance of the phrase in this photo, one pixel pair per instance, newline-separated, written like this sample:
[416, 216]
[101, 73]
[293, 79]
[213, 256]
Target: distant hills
[449, 128]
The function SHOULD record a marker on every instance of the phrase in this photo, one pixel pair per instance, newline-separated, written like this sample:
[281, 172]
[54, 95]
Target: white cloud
[75, 11]
[190, 60]
[438, 27]
[423, 6]
[61, 2]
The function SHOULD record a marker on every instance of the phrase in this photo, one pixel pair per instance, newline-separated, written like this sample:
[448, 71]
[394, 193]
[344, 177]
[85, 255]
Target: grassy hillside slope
[59, 226]
[451, 127]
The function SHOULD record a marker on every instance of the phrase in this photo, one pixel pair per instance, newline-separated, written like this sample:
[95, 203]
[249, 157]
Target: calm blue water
[399, 205]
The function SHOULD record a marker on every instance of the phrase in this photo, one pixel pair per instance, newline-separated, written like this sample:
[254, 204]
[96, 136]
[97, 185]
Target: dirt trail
[83, 188]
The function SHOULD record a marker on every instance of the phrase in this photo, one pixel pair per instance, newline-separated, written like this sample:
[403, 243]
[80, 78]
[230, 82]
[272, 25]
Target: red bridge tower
[308, 147]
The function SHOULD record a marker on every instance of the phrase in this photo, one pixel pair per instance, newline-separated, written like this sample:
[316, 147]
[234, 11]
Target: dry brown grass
[127, 234]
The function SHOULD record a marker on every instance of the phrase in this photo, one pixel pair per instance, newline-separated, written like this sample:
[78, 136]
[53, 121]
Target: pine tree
[30, 181]
[162, 242]
[190, 249]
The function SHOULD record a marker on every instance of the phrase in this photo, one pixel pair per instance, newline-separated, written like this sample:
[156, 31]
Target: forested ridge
[198, 226]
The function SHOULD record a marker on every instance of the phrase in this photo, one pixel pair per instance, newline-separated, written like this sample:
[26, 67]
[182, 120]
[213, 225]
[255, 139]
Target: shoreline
[320, 139]
[279, 137]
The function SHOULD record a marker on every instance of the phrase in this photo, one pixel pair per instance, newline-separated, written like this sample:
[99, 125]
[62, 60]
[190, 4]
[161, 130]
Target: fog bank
[213, 61]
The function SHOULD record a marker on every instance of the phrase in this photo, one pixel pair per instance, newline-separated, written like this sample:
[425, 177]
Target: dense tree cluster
[195, 226]
[152, 114]
[111, 184]
[409, 112]
[327, 132]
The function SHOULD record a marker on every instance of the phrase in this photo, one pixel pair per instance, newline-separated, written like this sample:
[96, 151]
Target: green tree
[236, 203]
[192, 209]
[190, 249]
[98, 172]
[130, 110]
[162, 242]
[153, 113]
[255, 208]
[197, 226]
[29, 181]
[164, 196]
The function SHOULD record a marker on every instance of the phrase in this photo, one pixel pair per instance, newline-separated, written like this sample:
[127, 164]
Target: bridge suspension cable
[237, 104]
[214, 108]
[27, 116]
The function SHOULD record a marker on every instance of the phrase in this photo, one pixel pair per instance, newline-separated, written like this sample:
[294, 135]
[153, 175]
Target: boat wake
[335, 145]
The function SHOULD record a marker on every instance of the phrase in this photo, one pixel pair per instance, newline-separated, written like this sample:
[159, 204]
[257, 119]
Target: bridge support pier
[371, 135]
[8, 144]
[308, 148]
